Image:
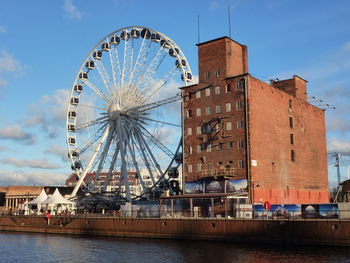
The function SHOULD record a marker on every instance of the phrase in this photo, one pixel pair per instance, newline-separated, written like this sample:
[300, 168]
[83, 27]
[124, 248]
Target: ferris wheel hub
[114, 112]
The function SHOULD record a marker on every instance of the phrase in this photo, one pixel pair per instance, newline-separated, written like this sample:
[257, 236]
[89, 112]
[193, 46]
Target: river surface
[26, 248]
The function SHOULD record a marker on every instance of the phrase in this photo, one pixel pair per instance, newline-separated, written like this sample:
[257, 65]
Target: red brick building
[240, 129]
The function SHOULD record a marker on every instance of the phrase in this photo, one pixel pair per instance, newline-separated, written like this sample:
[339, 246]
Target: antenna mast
[229, 21]
[198, 29]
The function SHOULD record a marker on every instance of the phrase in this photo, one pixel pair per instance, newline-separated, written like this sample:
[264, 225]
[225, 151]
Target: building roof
[13, 190]
[216, 39]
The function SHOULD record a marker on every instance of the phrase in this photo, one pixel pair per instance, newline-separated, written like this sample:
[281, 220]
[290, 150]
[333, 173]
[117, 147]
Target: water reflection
[18, 247]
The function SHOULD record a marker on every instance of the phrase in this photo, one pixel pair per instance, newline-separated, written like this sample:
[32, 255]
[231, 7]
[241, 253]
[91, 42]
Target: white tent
[58, 202]
[38, 201]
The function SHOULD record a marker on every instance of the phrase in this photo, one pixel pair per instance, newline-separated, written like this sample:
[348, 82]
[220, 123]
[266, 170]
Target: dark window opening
[292, 155]
[292, 139]
[291, 124]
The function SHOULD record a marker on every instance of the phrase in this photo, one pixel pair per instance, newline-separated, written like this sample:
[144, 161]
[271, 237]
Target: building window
[207, 110]
[219, 147]
[207, 75]
[208, 147]
[199, 167]
[217, 73]
[228, 107]
[217, 90]
[199, 130]
[198, 112]
[240, 85]
[198, 94]
[228, 88]
[240, 144]
[199, 148]
[189, 168]
[291, 136]
[229, 145]
[207, 92]
[291, 124]
[290, 104]
[240, 164]
[239, 124]
[292, 155]
[217, 109]
[189, 131]
[228, 126]
[190, 95]
[190, 150]
[189, 113]
[239, 105]
[217, 127]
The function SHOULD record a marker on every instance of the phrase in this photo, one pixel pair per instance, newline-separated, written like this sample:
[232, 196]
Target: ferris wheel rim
[179, 55]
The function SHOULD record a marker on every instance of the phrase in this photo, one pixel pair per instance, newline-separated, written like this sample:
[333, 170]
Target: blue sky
[43, 43]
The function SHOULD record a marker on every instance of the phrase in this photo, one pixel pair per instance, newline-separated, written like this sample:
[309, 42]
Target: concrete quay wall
[312, 232]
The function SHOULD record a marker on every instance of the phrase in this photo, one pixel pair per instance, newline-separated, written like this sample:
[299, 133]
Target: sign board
[254, 163]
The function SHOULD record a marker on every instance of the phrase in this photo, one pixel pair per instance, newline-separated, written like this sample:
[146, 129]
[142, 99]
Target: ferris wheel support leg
[82, 177]
[123, 168]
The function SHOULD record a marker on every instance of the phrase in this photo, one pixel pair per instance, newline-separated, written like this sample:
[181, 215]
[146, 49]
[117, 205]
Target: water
[22, 247]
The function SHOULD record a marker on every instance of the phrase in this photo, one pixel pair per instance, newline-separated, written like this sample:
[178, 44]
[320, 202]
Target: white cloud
[49, 113]
[336, 145]
[14, 132]
[58, 150]
[30, 178]
[2, 29]
[39, 163]
[8, 64]
[71, 10]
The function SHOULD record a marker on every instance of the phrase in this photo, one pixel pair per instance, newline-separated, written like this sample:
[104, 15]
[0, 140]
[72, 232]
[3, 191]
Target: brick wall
[276, 177]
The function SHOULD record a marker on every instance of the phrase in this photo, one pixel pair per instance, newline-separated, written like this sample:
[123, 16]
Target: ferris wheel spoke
[91, 140]
[104, 154]
[104, 75]
[156, 142]
[149, 74]
[87, 168]
[140, 64]
[141, 149]
[127, 64]
[115, 63]
[131, 147]
[143, 141]
[149, 119]
[160, 83]
[97, 91]
[112, 166]
[156, 104]
[91, 123]
[90, 106]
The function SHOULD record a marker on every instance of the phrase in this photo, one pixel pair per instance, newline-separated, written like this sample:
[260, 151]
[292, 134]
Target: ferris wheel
[124, 113]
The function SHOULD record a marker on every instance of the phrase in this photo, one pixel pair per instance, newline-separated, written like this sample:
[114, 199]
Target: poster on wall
[215, 186]
[278, 211]
[310, 211]
[328, 211]
[237, 186]
[194, 187]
